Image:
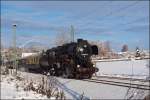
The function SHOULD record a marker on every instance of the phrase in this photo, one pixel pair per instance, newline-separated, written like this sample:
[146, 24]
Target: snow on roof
[27, 54]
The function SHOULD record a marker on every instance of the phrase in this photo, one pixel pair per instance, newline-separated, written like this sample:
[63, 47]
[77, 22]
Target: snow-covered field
[135, 68]
[73, 89]
[11, 88]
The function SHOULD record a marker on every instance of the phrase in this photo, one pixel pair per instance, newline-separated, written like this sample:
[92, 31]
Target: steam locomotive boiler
[70, 60]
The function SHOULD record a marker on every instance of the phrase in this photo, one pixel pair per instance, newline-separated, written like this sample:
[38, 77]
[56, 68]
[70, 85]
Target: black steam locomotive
[71, 60]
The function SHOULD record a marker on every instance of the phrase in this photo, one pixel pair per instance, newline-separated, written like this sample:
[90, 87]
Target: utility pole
[72, 33]
[14, 49]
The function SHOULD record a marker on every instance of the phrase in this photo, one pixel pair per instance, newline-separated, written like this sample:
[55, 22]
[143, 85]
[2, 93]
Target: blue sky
[120, 22]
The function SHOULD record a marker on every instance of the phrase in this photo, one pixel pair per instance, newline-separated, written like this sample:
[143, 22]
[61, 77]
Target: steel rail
[120, 78]
[122, 84]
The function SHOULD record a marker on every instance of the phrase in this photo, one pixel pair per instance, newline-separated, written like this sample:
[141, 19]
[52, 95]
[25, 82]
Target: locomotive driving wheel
[67, 71]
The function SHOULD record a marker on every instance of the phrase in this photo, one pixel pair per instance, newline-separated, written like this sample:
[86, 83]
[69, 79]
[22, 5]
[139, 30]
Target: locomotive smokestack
[80, 40]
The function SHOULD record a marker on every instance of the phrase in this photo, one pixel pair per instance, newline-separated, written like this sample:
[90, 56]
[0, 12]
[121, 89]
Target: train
[71, 60]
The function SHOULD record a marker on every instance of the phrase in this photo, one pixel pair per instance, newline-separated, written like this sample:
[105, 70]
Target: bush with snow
[15, 87]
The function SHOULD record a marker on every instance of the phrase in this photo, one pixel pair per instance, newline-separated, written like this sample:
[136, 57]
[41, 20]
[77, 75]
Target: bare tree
[107, 46]
[105, 49]
[62, 38]
[124, 48]
[2, 46]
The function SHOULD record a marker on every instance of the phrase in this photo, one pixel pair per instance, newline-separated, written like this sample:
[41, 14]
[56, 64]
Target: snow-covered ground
[75, 88]
[135, 68]
[13, 89]
[21, 88]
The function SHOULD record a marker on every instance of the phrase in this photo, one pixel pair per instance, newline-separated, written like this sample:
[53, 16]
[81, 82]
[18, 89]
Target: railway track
[120, 78]
[119, 83]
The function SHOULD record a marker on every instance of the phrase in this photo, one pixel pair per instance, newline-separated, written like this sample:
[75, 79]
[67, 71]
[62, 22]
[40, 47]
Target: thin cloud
[23, 24]
[139, 29]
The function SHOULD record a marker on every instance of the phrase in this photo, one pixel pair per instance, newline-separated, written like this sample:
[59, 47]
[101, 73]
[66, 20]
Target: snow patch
[134, 68]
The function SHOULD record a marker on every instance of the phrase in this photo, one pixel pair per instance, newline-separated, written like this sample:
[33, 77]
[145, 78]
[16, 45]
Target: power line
[120, 11]
[115, 11]
[89, 14]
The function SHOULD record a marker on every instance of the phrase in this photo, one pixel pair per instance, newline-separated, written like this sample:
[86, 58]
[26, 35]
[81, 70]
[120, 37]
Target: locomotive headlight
[94, 65]
[78, 66]
[80, 49]
[85, 46]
